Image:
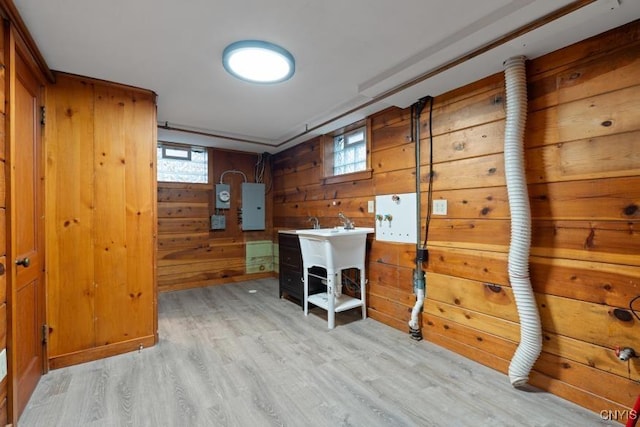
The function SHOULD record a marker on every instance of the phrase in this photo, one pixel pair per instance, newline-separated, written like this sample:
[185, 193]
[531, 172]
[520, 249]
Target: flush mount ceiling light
[258, 61]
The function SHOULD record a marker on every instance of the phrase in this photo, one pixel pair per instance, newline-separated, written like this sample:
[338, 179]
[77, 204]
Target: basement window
[182, 163]
[346, 154]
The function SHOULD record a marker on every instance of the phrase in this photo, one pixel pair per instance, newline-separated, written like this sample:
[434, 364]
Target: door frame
[14, 46]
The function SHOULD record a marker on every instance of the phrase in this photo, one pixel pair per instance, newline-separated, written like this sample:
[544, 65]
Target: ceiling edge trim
[166, 126]
[550, 17]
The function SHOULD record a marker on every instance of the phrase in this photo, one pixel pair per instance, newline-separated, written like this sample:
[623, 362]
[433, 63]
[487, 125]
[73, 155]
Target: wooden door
[27, 296]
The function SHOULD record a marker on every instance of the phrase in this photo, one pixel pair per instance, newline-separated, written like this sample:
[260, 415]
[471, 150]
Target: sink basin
[335, 231]
[333, 248]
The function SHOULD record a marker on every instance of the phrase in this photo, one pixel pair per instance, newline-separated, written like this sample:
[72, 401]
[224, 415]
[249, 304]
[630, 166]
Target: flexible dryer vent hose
[530, 330]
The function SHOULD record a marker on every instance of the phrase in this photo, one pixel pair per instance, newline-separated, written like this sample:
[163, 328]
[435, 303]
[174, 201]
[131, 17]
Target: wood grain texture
[228, 357]
[582, 166]
[101, 206]
[192, 255]
[69, 200]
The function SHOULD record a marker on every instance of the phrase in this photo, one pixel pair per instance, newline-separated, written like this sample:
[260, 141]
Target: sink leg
[331, 302]
[305, 280]
[363, 292]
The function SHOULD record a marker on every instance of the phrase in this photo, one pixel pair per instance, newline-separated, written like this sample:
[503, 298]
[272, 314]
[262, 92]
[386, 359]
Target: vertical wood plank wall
[3, 237]
[583, 171]
[101, 219]
[189, 254]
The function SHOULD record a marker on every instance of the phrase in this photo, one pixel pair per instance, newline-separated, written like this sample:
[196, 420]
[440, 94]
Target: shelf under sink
[342, 303]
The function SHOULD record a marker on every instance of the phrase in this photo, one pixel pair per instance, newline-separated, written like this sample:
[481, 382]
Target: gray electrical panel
[253, 206]
[218, 222]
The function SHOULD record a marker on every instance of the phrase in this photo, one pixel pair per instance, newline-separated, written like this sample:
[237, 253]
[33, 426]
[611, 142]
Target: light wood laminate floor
[228, 356]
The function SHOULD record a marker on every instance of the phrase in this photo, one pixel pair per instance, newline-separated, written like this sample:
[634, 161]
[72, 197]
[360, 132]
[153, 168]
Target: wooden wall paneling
[395, 182]
[470, 233]
[140, 125]
[192, 255]
[182, 225]
[478, 296]
[3, 229]
[481, 265]
[3, 234]
[396, 158]
[176, 241]
[478, 172]
[604, 241]
[207, 250]
[388, 117]
[316, 192]
[595, 282]
[392, 135]
[302, 156]
[491, 324]
[604, 199]
[486, 203]
[69, 204]
[2, 135]
[585, 347]
[605, 45]
[583, 159]
[182, 195]
[101, 205]
[571, 81]
[476, 141]
[124, 198]
[183, 210]
[582, 167]
[596, 116]
[110, 237]
[476, 109]
[3, 186]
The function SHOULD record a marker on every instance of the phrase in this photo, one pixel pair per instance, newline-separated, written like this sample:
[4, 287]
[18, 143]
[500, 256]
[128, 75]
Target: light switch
[371, 206]
[440, 207]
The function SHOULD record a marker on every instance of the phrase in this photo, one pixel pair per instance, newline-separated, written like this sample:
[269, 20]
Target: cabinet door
[124, 256]
[69, 213]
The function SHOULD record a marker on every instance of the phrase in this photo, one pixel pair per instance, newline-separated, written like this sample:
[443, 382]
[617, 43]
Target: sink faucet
[314, 220]
[348, 224]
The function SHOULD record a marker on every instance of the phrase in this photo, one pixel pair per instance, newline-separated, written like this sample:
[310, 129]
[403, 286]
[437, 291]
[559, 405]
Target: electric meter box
[253, 206]
[223, 196]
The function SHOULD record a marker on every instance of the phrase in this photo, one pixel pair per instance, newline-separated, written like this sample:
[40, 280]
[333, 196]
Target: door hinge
[45, 334]
[43, 115]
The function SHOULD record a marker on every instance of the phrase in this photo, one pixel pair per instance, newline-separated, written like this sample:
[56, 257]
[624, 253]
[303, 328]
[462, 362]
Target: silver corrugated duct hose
[530, 330]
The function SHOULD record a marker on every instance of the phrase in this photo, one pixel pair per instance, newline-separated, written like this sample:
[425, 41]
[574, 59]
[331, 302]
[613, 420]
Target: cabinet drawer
[291, 283]
[291, 257]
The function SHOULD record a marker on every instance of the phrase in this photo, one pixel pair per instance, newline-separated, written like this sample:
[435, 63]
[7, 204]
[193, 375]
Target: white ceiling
[347, 54]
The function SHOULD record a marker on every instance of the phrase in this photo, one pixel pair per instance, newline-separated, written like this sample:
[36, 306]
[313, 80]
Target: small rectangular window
[182, 163]
[350, 152]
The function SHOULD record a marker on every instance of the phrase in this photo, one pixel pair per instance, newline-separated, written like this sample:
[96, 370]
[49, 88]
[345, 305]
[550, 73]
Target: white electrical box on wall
[396, 218]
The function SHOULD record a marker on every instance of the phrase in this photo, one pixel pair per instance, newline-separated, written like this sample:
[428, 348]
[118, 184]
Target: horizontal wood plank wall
[189, 254]
[583, 170]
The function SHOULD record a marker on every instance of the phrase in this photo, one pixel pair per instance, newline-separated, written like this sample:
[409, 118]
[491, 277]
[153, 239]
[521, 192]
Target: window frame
[190, 147]
[327, 146]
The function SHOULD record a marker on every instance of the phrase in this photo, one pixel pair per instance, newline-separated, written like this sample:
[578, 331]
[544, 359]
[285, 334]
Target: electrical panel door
[253, 201]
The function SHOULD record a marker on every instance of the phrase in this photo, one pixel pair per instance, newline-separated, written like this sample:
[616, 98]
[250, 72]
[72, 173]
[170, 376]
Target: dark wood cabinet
[290, 267]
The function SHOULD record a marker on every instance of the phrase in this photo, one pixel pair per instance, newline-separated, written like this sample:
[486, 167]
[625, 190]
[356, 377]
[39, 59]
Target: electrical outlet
[371, 206]
[440, 207]
[3, 363]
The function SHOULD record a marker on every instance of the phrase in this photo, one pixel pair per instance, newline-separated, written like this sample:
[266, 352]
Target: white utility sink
[334, 249]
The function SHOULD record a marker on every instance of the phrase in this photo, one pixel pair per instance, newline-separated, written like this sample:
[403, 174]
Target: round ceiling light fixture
[257, 61]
